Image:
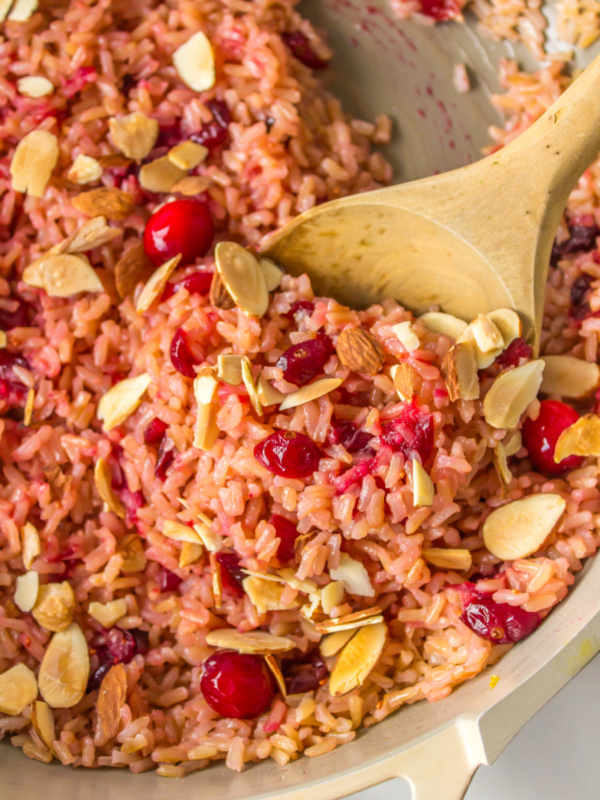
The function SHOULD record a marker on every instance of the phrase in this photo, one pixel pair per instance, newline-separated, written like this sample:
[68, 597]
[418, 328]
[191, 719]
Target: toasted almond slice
[18, 688]
[267, 393]
[93, 233]
[211, 540]
[192, 185]
[404, 376]
[487, 336]
[33, 161]
[333, 642]
[273, 274]
[248, 380]
[65, 668]
[42, 720]
[423, 488]
[55, 606]
[482, 359]
[103, 482]
[360, 351]
[366, 616]
[508, 323]
[195, 62]
[448, 558]
[31, 544]
[34, 86]
[121, 400]
[22, 10]
[357, 659]
[28, 412]
[26, 591]
[445, 324]
[190, 554]
[459, 368]
[207, 430]
[130, 268]
[85, 169]
[108, 614]
[580, 439]
[114, 161]
[512, 443]
[522, 527]
[353, 575]
[407, 336]
[62, 275]
[332, 595]
[310, 392]
[111, 203]
[511, 393]
[131, 550]
[3, 340]
[569, 376]
[217, 580]
[134, 135]
[111, 699]
[179, 532]
[160, 175]
[243, 277]
[288, 575]
[266, 595]
[229, 368]
[277, 674]
[501, 464]
[187, 155]
[155, 285]
[219, 296]
[259, 642]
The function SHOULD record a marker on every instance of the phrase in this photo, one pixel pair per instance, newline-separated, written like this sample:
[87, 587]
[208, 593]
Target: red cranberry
[518, 350]
[440, 10]
[216, 132]
[183, 226]
[304, 361]
[499, 622]
[583, 232]
[164, 459]
[232, 574]
[17, 316]
[302, 49]
[409, 433]
[132, 501]
[580, 308]
[117, 647]
[237, 685]
[352, 439]
[196, 283]
[541, 435]
[12, 390]
[182, 357]
[289, 454]
[300, 310]
[287, 532]
[155, 431]
[307, 676]
[97, 676]
[168, 581]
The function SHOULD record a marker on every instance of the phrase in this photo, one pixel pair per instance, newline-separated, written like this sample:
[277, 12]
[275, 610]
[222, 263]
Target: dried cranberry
[164, 459]
[237, 685]
[117, 647]
[516, 351]
[499, 622]
[182, 227]
[409, 433]
[302, 49]
[440, 10]
[289, 454]
[132, 501]
[287, 532]
[215, 132]
[580, 308]
[352, 439]
[168, 581]
[17, 316]
[12, 390]
[141, 640]
[182, 357]
[232, 574]
[583, 232]
[97, 676]
[306, 677]
[155, 431]
[196, 283]
[541, 435]
[299, 310]
[120, 645]
[304, 361]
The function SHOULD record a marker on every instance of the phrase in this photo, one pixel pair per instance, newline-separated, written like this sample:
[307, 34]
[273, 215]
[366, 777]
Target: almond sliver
[122, 400]
[195, 63]
[93, 233]
[448, 558]
[580, 439]
[18, 688]
[259, 642]
[266, 595]
[134, 135]
[511, 393]
[423, 488]
[332, 595]
[357, 659]
[404, 376]
[33, 161]
[187, 155]
[569, 376]
[108, 614]
[522, 527]
[310, 392]
[34, 86]
[248, 380]
[501, 464]
[179, 532]
[207, 430]
[276, 673]
[459, 368]
[243, 277]
[267, 393]
[155, 285]
[445, 324]
[160, 175]
[354, 576]
[273, 274]
[26, 591]
[42, 720]
[65, 668]
[508, 323]
[111, 699]
[229, 369]
[407, 336]
[55, 606]
[487, 336]
[84, 170]
[190, 554]
[62, 275]
[31, 544]
[367, 616]
[333, 642]
[103, 482]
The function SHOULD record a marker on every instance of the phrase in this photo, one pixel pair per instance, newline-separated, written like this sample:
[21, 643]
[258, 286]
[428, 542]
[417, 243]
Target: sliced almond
[259, 642]
[108, 614]
[512, 443]
[206, 430]
[243, 278]
[155, 285]
[357, 659]
[333, 642]
[360, 351]
[3, 340]
[114, 161]
[569, 376]
[487, 336]
[134, 135]
[358, 619]
[65, 668]
[31, 544]
[211, 540]
[111, 699]
[42, 720]
[22, 10]
[406, 335]
[219, 296]
[93, 233]
[229, 369]
[405, 377]
[276, 673]
[33, 162]
[28, 411]
[190, 554]
[483, 358]
[306, 585]
[195, 62]
[266, 595]
[130, 268]
[160, 175]
[18, 688]
[103, 482]
[273, 274]
[423, 488]
[248, 380]
[332, 595]
[267, 393]
[511, 393]
[217, 580]
[111, 203]
[180, 532]
[26, 591]
[445, 324]
[448, 558]
[580, 439]
[121, 400]
[192, 185]
[34, 86]
[62, 275]
[310, 392]
[187, 155]
[85, 169]
[353, 575]
[522, 527]
[55, 606]
[131, 549]
[501, 464]
[508, 323]
[459, 369]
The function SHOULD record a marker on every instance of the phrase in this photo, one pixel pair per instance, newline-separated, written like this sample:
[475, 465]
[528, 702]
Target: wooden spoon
[469, 240]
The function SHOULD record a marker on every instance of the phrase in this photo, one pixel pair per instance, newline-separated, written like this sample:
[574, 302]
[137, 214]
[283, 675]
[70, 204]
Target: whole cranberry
[289, 454]
[410, 432]
[287, 532]
[183, 226]
[541, 435]
[304, 361]
[237, 685]
[499, 622]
